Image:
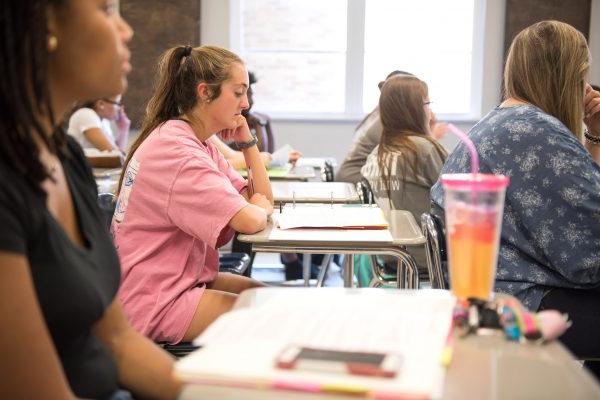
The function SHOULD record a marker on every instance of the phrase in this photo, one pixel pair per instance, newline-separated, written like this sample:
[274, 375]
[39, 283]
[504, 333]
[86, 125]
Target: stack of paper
[241, 347]
[280, 157]
[343, 216]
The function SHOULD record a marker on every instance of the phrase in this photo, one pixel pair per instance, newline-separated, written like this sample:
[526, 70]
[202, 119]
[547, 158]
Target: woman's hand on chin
[242, 132]
[591, 103]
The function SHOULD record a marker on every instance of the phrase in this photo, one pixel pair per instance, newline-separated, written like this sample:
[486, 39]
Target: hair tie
[187, 50]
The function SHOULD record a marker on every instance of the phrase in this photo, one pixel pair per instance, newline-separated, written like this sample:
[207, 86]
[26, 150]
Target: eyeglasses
[426, 103]
[116, 103]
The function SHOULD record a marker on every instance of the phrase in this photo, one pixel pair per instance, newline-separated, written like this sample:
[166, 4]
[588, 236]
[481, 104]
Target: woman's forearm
[260, 179]
[145, 369]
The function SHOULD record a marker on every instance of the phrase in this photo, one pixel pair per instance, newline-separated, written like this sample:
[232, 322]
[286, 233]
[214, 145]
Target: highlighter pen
[446, 356]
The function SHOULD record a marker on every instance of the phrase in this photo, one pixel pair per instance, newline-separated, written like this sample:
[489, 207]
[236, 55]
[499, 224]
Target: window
[324, 58]
[298, 52]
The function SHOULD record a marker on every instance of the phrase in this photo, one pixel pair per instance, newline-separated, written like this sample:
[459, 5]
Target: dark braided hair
[24, 90]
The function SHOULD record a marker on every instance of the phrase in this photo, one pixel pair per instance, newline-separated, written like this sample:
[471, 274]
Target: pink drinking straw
[465, 139]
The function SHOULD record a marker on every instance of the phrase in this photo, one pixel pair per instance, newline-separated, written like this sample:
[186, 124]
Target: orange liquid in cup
[472, 259]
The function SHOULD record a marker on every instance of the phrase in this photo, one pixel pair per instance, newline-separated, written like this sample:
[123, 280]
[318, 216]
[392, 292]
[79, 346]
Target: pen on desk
[250, 182]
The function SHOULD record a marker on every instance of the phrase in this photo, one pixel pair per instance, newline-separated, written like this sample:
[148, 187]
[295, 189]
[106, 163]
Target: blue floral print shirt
[551, 225]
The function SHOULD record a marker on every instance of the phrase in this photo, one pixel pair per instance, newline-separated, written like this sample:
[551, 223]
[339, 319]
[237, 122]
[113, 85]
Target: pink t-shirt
[177, 197]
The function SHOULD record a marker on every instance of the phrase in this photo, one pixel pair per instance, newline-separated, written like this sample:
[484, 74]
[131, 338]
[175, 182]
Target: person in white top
[91, 125]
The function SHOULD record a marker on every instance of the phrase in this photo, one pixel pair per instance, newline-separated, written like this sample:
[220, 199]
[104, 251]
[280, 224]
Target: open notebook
[240, 348]
[343, 216]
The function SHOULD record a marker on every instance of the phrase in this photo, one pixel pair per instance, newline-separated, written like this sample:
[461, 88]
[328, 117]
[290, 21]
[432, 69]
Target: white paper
[311, 191]
[243, 345]
[332, 235]
[281, 156]
[91, 152]
[315, 162]
[331, 216]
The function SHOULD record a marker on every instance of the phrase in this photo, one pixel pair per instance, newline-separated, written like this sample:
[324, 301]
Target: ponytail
[180, 70]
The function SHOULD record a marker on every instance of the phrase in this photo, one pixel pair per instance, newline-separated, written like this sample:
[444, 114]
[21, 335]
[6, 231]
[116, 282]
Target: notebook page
[251, 339]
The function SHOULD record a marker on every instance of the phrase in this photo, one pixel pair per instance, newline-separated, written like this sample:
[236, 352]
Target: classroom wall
[522, 13]
[331, 139]
[594, 41]
[157, 25]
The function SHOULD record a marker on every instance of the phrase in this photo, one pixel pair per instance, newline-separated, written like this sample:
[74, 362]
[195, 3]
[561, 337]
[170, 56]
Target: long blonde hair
[402, 113]
[180, 70]
[546, 66]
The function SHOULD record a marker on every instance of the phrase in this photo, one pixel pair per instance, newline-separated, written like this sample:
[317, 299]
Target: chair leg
[378, 279]
[306, 267]
[324, 268]
[349, 271]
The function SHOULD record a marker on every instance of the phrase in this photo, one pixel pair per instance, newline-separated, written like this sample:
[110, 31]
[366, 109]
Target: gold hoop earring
[52, 43]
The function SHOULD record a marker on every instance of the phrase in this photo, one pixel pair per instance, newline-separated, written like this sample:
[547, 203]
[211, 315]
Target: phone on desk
[346, 362]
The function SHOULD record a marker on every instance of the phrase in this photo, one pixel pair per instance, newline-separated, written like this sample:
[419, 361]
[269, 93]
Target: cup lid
[477, 182]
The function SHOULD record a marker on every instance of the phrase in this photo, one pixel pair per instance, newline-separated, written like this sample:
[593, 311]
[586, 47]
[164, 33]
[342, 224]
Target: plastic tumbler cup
[473, 206]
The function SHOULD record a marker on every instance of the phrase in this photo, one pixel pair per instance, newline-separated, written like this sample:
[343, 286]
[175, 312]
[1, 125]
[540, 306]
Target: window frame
[487, 57]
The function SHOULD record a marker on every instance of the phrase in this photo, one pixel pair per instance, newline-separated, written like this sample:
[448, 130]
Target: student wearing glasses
[368, 135]
[92, 124]
[406, 163]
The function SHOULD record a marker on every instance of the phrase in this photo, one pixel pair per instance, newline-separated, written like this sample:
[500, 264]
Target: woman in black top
[63, 333]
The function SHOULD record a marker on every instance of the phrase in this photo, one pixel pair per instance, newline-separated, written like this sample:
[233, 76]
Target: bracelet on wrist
[593, 139]
[248, 144]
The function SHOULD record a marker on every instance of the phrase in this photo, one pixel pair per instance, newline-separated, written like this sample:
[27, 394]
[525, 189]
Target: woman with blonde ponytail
[179, 199]
[549, 254]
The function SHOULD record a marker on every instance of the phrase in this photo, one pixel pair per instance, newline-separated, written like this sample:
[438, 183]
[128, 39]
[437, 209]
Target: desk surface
[483, 367]
[403, 228]
[295, 173]
[314, 192]
[316, 162]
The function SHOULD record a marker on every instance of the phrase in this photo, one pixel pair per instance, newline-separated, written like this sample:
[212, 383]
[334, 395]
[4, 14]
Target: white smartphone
[339, 361]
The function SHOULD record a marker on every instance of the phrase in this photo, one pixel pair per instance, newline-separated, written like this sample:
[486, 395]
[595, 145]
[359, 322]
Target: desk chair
[179, 350]
[432, 225]
[383, 274]
[107, 203]
[327, 175]
[365, 193]
[327, 172]
[235, 263]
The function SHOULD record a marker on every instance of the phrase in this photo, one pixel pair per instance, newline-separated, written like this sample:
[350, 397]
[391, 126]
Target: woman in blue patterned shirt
[550, 242]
